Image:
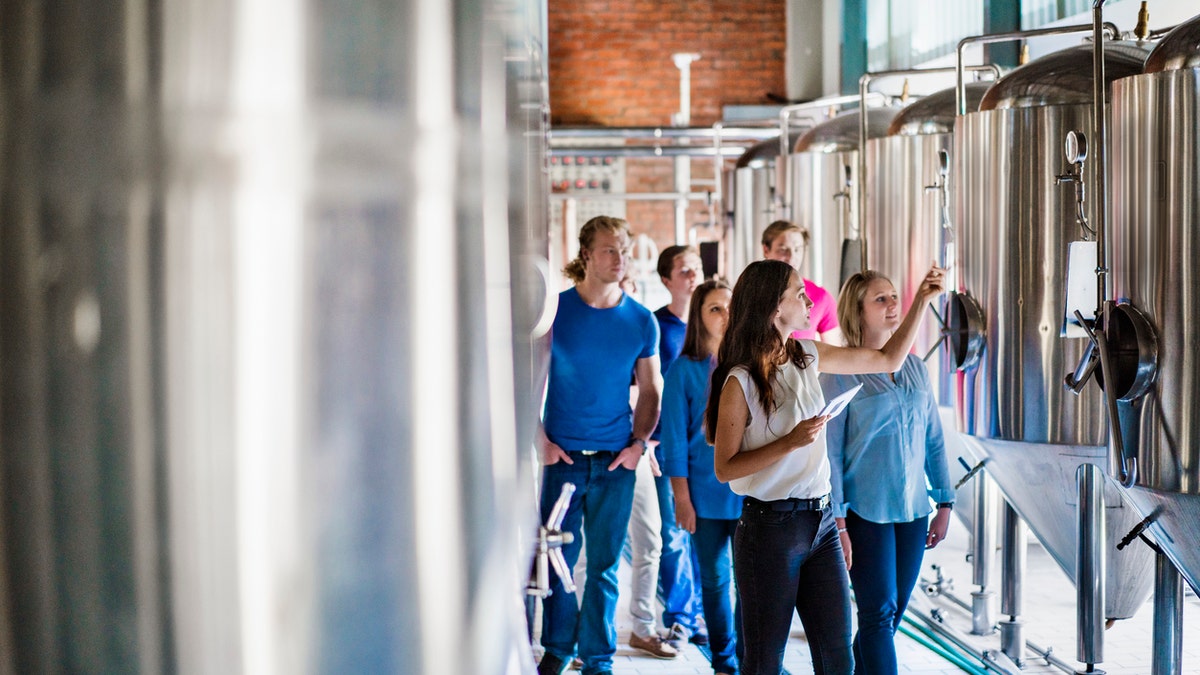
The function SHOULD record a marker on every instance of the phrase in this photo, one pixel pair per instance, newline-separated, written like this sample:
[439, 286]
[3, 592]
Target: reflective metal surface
[258, 328]
[1178, 50]
[1155, 164]
[935, 113]
[1063, 78]
[841, 133]
[821, 195]
[1039, 481]
[1156, 161]
[1015, 226]
[1089, 564]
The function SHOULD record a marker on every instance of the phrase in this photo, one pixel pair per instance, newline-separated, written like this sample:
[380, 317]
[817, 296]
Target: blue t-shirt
[671, 330]
[592, 353]
[887, 456]
[685, 452]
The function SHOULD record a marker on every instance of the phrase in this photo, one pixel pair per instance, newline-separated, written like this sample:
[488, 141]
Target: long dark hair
[695, 340]
[751, 340]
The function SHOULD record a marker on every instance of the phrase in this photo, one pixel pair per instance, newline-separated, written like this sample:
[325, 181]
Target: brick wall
[610, 65]
[610, 60]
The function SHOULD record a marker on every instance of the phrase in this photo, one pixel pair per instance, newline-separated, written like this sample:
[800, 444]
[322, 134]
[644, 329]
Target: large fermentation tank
[1015, 225]
[1155, 246]
[755, 196]
[906, 229]
[257, 326]
[821, 194]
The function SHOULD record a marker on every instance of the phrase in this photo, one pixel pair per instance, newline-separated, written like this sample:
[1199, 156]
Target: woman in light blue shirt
[704, 506]
[887, 470]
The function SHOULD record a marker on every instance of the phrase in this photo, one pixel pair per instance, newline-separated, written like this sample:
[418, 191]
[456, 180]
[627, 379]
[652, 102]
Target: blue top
[884, 446]
[592, 353]
[685, 452]
[671, 330]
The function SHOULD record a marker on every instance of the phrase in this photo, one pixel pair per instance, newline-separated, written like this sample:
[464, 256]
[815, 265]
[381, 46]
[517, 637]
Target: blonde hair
[576, 270]
[850, 304]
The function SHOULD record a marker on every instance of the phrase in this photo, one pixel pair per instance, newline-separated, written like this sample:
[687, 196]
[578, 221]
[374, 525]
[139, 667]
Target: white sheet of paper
[834, 407]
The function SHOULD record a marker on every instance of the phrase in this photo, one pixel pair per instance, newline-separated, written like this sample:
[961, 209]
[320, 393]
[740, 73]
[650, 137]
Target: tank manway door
[1133, 352]
[965, 330]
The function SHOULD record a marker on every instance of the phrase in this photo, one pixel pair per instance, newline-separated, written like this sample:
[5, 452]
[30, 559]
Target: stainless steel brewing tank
[821, 194]
[755, 205]
[903, 225]
[904, 234]
[1155, 194]
[1015, 225]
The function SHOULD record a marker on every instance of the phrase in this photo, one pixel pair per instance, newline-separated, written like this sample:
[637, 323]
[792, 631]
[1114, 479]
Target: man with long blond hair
[591, 438]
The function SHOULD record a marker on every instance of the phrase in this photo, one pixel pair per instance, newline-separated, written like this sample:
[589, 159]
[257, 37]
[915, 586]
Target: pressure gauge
[1076, 147]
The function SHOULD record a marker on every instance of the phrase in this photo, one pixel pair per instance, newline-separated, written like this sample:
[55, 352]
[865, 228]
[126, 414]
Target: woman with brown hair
[765, 424]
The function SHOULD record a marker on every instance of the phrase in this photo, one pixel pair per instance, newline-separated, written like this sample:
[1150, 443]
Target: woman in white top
[770, 447]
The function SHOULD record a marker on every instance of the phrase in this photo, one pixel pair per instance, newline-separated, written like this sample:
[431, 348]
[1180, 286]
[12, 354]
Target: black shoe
[699, 639]
[550, 665]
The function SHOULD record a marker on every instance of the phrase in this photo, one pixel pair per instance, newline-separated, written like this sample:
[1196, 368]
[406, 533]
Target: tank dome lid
[763, 152]
[840, 134]
[1178, 50]
[934, 114]
[1064, 77]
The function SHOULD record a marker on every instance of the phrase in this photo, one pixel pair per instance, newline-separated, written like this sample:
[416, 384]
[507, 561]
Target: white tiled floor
[1050, 622]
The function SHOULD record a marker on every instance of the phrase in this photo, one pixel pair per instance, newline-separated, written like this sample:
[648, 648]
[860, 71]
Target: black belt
[793, 504]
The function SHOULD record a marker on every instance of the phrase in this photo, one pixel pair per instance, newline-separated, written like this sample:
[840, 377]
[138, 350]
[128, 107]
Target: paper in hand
[838, 403]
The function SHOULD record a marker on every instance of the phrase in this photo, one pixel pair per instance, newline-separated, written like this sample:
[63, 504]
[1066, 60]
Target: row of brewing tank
[998, 194]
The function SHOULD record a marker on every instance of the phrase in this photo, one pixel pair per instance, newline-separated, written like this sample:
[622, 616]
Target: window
[904, 33]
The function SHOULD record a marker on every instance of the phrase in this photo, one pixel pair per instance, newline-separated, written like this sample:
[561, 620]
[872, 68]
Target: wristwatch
[641, 442]
[946, 505]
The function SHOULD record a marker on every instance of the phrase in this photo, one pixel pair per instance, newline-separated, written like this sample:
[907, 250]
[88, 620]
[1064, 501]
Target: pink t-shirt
[823, 315]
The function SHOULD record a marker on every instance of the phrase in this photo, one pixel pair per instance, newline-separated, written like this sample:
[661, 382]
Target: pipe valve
[550, 541]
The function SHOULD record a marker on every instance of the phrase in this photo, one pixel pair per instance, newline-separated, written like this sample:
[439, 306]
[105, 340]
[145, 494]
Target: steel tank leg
[1168, 618]
[1012, 591]
[1089, 567]
[983, 545]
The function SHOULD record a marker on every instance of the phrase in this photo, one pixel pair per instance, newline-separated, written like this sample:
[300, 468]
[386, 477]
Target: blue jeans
[676, 575]
[712, 541]
[785, 560]
[887, 562]
[600, 507]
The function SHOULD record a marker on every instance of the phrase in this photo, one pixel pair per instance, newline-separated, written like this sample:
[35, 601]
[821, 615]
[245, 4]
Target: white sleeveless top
[804, 472]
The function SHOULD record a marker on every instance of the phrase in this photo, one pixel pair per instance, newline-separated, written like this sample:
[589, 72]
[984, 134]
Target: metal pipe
[864, 84]
[930, 626]
[718, 164]
[1100, 142]
[1090, 564]
[992, 38]
[1168, 618]
[982, 545]
[628, 133]
[1044, 653]
[630, 196]
[646, 151]
[923, 639]
[1012, 580]
[1047, 654]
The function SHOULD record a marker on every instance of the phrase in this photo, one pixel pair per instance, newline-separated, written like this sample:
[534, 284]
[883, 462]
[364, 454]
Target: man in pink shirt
[788, 242]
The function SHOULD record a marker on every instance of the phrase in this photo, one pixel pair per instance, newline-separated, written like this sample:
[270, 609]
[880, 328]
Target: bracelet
[641, 442]
[841, 529]
[946, 505]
